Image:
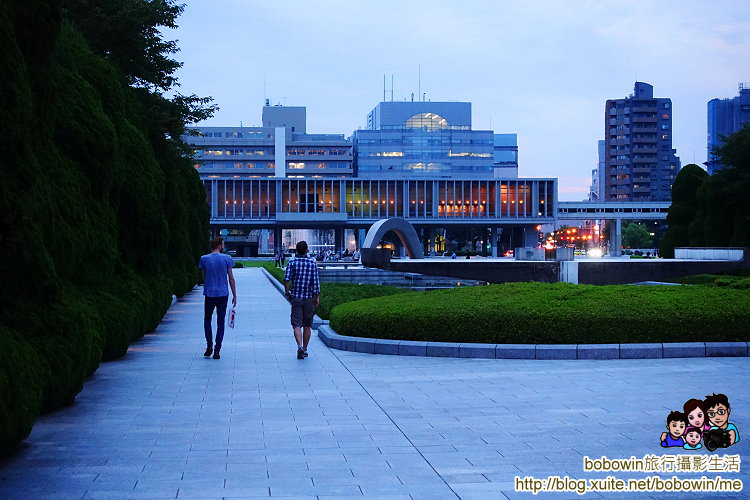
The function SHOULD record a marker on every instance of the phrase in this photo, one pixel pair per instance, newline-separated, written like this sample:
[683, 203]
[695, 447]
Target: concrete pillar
[494, 233]
[616, 239]
[338, 239]
[361, 237]
[530, 236]
[276, 239]
[263, 247]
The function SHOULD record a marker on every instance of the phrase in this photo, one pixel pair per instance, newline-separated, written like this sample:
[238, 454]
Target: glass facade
[426, 139]
[725, 117]
[417, 200]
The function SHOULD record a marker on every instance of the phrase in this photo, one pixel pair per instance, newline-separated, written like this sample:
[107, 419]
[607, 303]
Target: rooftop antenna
[412, 97]
[391, 87]
[383, 87]
[419, 80]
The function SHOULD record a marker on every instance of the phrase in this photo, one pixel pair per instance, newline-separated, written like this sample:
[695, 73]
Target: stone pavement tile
[196, 492]
[367, 497]
[126, 494]
[331, 490]
[259, 415]
[464, 478]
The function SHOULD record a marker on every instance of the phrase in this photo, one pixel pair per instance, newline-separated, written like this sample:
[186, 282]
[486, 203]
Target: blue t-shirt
[216, 266]
[670, 441]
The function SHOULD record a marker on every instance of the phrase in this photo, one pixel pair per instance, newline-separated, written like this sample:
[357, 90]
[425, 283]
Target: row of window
[237, 135]
[376, 199]
[318, 152]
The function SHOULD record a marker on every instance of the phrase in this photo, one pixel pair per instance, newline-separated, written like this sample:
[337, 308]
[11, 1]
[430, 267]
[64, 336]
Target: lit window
[429, 121]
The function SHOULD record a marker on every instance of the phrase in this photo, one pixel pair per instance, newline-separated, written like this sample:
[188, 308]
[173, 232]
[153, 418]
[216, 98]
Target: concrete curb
[521, 351]
[530, 351]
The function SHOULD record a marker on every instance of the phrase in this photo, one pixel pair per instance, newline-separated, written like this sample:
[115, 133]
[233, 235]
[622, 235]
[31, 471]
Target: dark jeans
[220, 303]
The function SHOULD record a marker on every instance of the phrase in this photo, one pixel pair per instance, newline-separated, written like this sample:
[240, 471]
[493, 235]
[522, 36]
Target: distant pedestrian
[304, 294]
[277, 259]
[217, 268]
[282, 256]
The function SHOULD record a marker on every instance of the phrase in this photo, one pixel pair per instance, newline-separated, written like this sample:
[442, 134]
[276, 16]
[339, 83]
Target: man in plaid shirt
[304, 294]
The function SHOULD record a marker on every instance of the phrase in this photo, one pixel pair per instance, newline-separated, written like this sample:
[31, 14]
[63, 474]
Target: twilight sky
[541, 69]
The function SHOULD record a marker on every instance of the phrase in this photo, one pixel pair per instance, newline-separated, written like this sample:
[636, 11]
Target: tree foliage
[102, 215]
[636, 235]
[684, 209]
[713, 210]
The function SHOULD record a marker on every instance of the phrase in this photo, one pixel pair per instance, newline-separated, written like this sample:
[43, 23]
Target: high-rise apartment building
[595, 191]
[640, 162]
[725, 117]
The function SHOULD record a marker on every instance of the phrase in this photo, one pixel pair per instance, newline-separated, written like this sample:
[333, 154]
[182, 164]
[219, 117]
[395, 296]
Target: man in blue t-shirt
[217, 267]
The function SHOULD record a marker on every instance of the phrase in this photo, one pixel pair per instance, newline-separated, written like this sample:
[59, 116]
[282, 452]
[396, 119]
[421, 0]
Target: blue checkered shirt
[303, 273]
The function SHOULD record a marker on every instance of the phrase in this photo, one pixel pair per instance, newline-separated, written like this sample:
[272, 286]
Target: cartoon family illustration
[686, 429]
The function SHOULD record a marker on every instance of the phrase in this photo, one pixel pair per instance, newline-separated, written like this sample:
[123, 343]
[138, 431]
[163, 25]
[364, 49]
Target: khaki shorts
[303, 311]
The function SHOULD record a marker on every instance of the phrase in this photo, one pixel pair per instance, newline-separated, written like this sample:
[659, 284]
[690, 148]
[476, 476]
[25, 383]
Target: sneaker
[217, 355]
[209, 351]
[300, 354]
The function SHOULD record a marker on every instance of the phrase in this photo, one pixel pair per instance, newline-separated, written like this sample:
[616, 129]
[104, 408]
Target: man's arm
[231, 285]
[287, 278]
[316, 286]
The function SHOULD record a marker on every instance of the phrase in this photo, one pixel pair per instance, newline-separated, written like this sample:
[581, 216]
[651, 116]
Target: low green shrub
[334, 294]
[741, 284]
[738, 279]
[698, 279]
[561, 313]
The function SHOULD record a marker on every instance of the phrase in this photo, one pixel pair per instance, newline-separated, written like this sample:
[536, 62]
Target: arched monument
[402, 228]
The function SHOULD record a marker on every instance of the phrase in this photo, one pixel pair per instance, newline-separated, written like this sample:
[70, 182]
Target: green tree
[636, 235]
[683, 211]
[102, 215]
[725, 211]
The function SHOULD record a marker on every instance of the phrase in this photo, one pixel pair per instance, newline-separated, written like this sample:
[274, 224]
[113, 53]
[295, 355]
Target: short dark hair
[694, 429]
[216, 242]
[692, 404]
[716, 399]
[677, 416]
[301, 248]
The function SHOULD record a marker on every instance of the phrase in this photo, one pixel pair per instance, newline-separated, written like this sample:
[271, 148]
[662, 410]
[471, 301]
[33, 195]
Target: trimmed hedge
[102, 218]
[334, 294]
[561, 313]
[740, 281]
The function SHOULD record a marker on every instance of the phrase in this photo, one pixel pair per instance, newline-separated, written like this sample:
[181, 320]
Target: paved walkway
[164, 422]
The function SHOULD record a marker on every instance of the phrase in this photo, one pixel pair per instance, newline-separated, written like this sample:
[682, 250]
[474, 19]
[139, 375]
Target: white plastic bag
[232, 317]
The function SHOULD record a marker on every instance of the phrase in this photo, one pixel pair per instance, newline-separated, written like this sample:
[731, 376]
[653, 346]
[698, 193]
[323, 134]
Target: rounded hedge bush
[561, 313]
